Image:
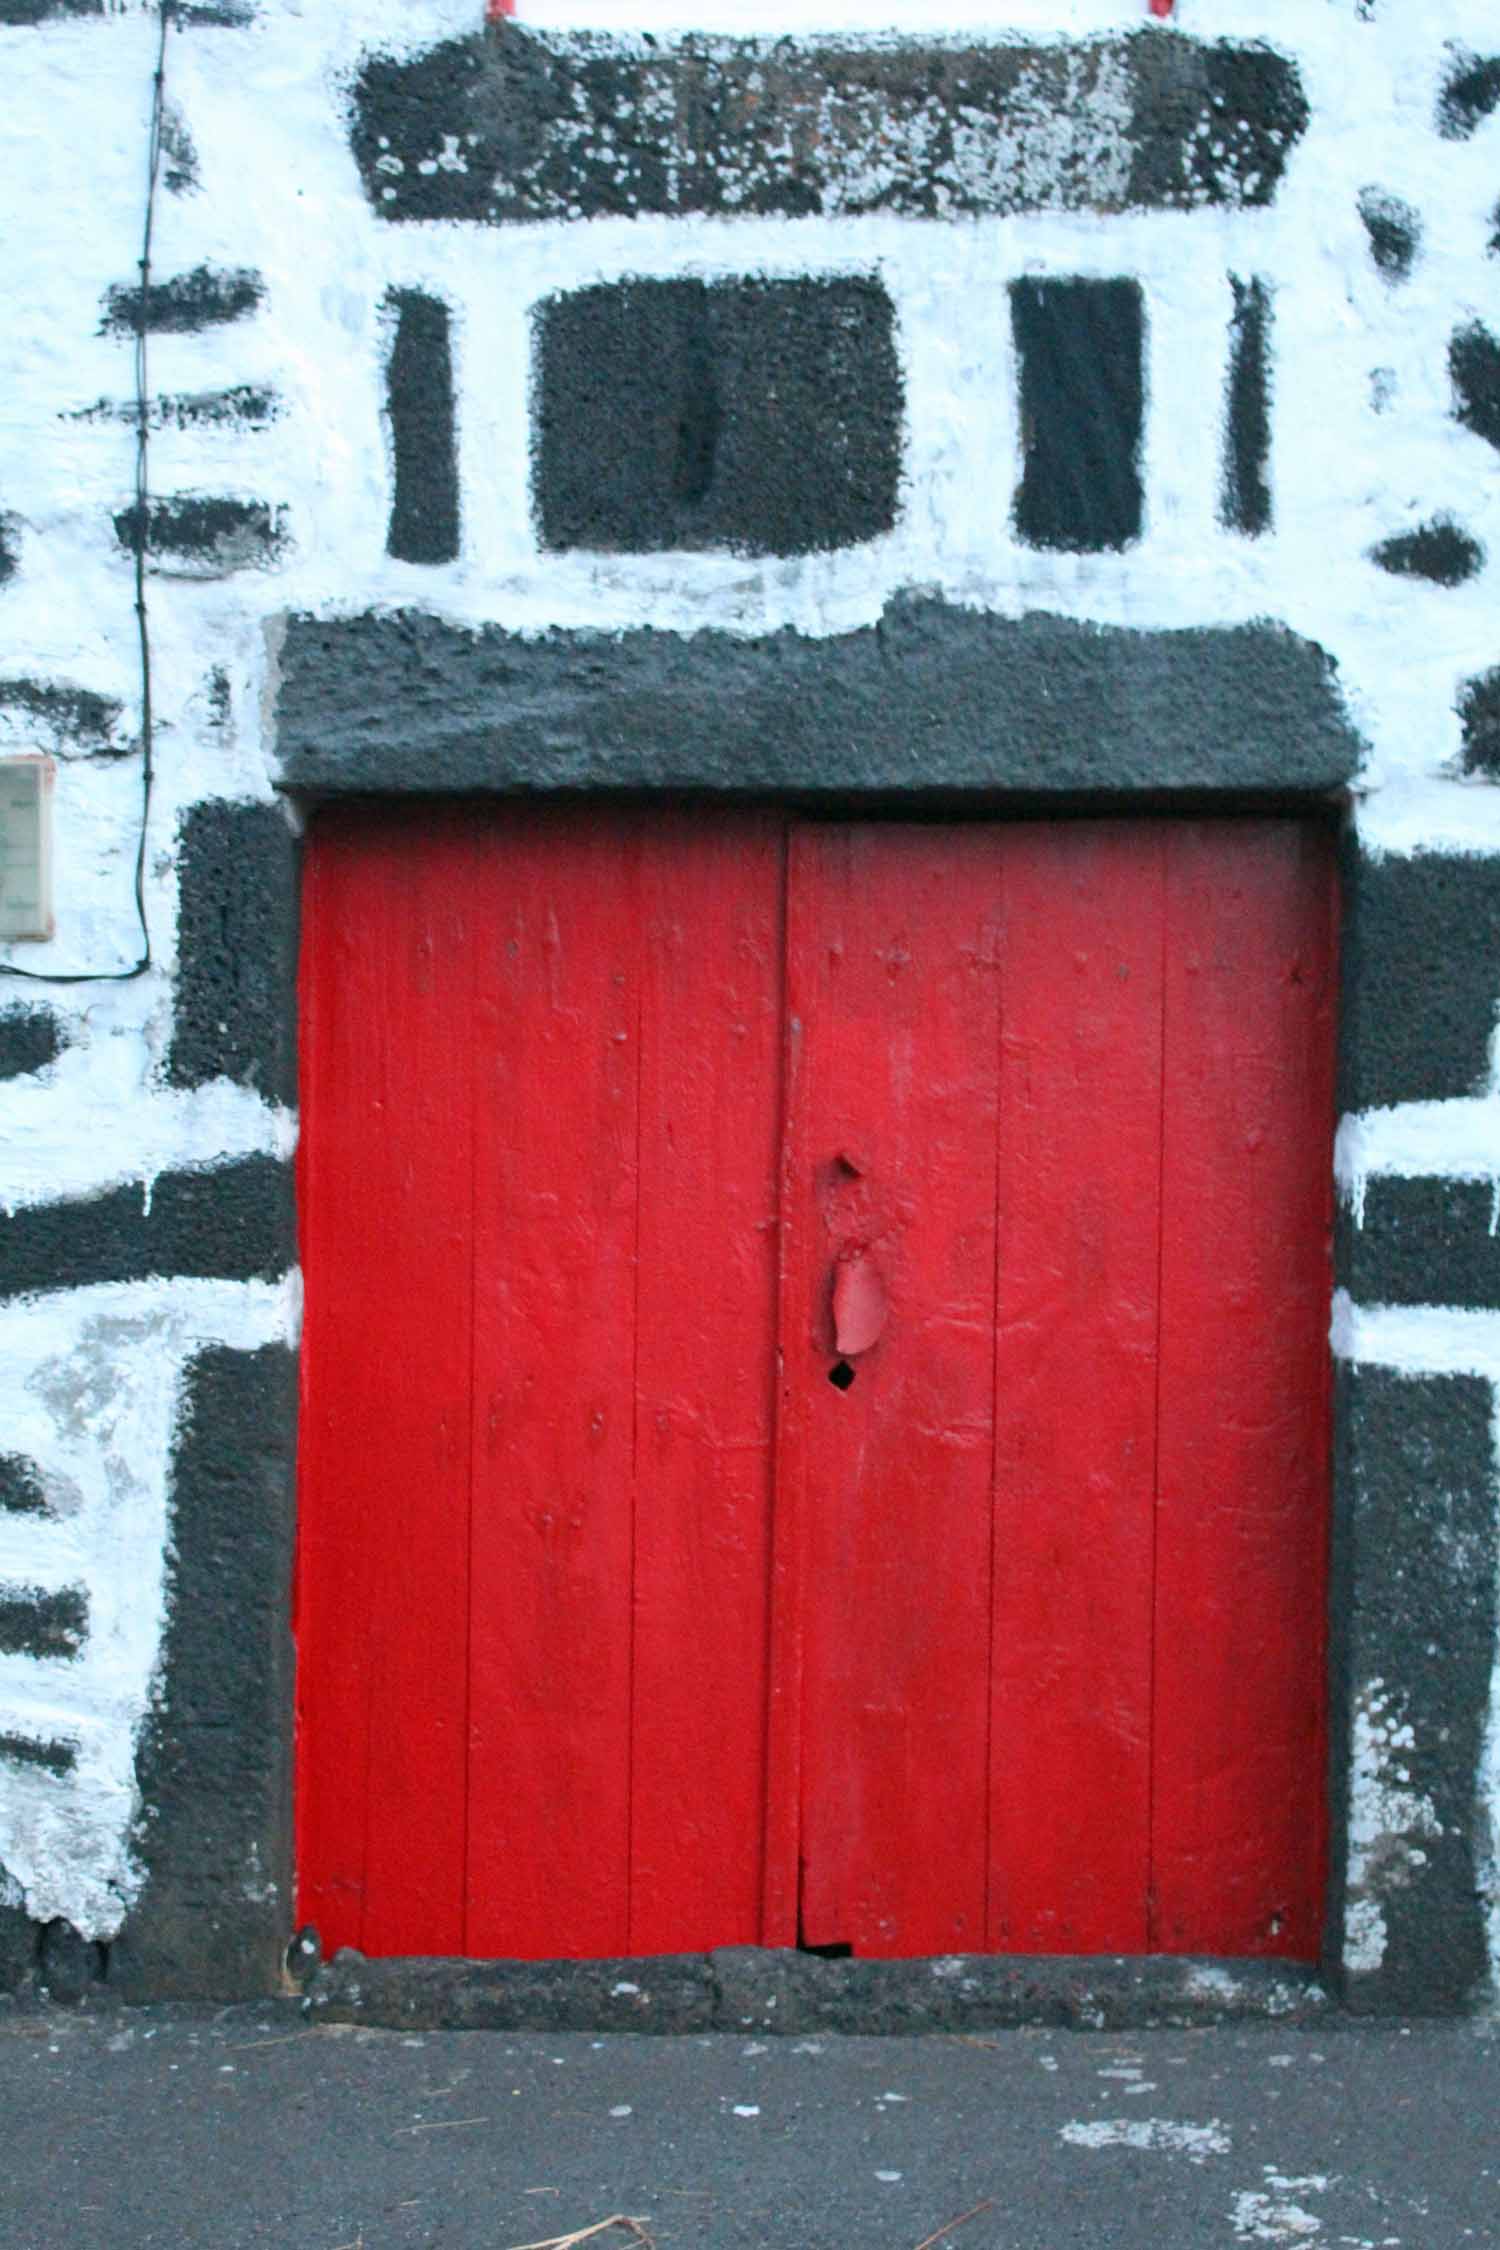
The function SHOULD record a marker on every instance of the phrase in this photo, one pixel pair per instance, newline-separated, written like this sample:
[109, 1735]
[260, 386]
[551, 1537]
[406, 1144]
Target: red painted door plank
[554, 1410]
[1075, 1386]
[1238, 1833]
[895, 1169]
[711, 1005]
[385, 1357]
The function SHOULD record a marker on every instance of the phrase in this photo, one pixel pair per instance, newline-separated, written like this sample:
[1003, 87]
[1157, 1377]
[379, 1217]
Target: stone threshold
[754, 1989]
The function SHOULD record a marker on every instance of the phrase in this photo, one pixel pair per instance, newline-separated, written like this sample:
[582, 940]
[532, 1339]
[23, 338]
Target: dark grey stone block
[200, 535]
[1423, 1242]
[424, 444]
[1245, 500]
[234, 1222]
[1079, 345]
[1479, 715]
[931, 701]
[205, 297]
[1415, 1604]
[759, 415]
[214, 1762]
[1421, 978]
[233, 1002]
[30, 1039]
[583, 125]
[41, 1624]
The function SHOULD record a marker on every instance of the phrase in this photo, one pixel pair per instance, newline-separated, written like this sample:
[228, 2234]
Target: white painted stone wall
[1364, 446]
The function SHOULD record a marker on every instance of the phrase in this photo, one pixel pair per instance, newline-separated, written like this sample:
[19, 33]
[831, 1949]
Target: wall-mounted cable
[139, 966]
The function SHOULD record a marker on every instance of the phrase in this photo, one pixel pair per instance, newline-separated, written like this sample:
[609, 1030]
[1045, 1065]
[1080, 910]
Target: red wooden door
[815, 1417]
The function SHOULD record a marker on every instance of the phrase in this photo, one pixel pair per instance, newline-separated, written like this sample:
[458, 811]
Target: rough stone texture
[215, 1757]
[26, 1750]
[1474, 365]
[1394, 228]
[1470, 93]
[1479, 714]
[1245, 498]
[22, 1492]
[233, 1222]
[759, 415]
[67, 1964]
[749, 1989]
[75, 716]
[930, 700]
[420, 410]
[239, 406]
[18, 1943]
[1421, 978]
[1441, 551]
[206, 297]
[36, 1623]
[1415, 1592]
[1079, 345]
[43, 11]
[233, 1009]
[10, 547]
[579, 125]
[30, 1039]
[1423, 1242]
[199, 535]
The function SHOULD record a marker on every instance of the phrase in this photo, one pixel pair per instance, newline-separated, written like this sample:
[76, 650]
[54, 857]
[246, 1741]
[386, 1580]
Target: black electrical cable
[138, 541]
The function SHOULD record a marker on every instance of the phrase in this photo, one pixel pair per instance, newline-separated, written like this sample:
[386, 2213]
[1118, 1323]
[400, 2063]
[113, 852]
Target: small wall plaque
[25, 848]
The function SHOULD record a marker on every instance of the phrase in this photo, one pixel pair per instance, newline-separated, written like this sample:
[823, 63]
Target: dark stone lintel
[933, 699]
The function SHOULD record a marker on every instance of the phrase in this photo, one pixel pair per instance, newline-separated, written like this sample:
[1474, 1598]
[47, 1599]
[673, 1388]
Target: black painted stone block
[22, 1492]
[10, 547]
[35, 1623]
[1440, 551]
[19, 1939]
[205, 297]
[80, 715]
[1082, 398]
[1394, 229]
[234, 1222]
[1470, 93]
[27, 1751]
[579, 125]
[214, 1763]
[1423, 1242]
[1416, 1580]
[30, 1038]
[233, 1012]
[1474, 365]
[203, 535]
[1421, 978]
[67, 1962]
[1479, 715]
[420, 410]
[42, 11]
[759, 415]
[1245, 501]
[932, 699]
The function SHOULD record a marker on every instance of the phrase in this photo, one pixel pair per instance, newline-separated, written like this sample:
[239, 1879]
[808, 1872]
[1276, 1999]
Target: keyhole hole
[841, 1376]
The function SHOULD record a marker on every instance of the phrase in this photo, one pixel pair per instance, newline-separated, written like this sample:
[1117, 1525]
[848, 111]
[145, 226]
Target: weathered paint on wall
[272, 476]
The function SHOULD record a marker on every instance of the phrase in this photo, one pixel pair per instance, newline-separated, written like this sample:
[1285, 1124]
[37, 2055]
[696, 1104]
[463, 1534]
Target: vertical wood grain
[711, 1009]
[1079, 1149]
[382, 1573]
[894, 1160]
[1238, 1845]
[554, 1381]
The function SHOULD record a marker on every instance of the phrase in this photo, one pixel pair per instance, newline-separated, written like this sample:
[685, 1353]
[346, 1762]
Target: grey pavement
[169, 2126]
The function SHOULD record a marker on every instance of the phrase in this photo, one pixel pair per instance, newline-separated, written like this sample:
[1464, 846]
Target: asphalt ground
[169, 2126]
